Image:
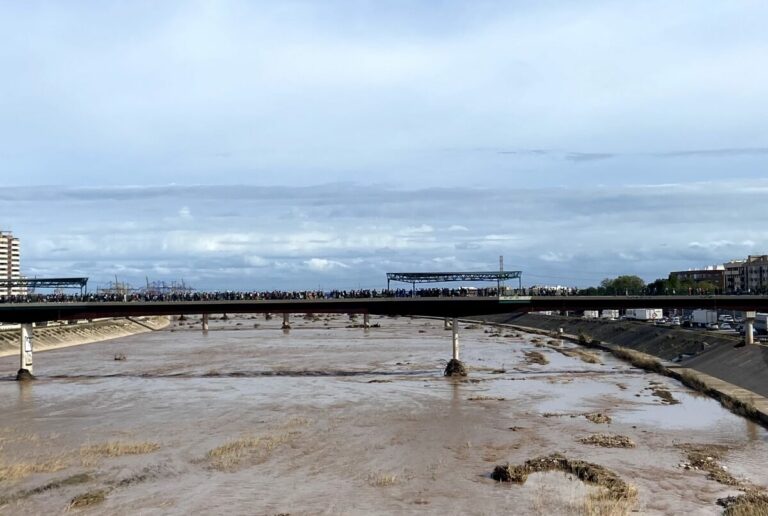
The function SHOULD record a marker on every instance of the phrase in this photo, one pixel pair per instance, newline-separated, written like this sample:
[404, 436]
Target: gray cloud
[348, 236]
[715, 153]
[588, 156]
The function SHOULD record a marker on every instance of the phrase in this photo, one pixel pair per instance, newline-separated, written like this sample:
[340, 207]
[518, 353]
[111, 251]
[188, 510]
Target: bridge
[446, 307]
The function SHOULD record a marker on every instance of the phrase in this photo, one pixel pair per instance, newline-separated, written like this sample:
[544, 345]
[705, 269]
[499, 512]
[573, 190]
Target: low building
[715, 275]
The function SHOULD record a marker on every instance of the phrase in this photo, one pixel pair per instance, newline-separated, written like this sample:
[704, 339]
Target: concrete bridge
[446, 307]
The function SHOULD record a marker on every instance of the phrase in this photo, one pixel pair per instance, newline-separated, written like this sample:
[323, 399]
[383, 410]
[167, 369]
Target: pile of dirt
[584, 471]
[455, 368]
[535, 357]
[598, 417]
[608, 441]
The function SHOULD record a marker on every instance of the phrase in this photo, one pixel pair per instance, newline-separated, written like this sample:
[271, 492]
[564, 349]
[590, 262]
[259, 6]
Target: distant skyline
[301, 144]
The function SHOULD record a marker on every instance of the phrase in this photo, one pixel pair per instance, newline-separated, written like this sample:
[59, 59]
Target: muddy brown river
[326, 419]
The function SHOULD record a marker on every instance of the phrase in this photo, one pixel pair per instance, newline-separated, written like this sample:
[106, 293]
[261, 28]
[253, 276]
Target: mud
[334, 420]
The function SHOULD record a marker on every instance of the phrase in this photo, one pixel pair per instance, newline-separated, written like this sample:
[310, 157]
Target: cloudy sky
[301, 144]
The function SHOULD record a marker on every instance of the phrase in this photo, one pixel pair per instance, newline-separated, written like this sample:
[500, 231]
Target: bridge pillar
[455, 335]
[25, 353]
[205, 323]
[749, 325]
[455, 367]
[286, 321]
[366, 320]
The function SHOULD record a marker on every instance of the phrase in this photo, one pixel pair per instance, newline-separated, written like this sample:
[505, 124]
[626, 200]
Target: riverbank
[714, 364]
[55, 337]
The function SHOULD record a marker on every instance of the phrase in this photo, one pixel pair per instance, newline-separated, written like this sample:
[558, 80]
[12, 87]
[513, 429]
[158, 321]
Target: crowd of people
[229, 295]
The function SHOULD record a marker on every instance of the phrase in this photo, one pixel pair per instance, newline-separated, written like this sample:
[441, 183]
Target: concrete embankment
[53, 337]
[725, 369]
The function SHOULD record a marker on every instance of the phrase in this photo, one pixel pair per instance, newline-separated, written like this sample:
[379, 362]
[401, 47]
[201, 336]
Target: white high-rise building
[9, 263]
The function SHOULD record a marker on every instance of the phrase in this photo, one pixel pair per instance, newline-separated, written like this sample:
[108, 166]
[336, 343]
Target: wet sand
[335, 420]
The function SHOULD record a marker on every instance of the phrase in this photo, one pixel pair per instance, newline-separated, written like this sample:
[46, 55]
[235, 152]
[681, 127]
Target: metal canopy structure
[81, 283]
[441, 277]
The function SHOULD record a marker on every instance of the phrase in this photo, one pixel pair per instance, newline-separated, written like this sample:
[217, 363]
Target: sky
[287, 144]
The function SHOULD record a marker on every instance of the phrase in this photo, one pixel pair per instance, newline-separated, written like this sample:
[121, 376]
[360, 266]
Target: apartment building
[750, 275]
[9, 263]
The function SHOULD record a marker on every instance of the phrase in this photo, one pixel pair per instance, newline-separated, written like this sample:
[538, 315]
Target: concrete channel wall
[60, 336]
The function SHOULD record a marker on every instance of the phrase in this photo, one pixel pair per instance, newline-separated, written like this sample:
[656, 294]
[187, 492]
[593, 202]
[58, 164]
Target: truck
[644, 314]
[609, 314]
[761, 324]
[703, 318]
[591, 314]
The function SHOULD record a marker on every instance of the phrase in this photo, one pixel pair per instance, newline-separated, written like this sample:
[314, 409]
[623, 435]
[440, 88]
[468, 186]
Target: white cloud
[323, 265]
[551, 256]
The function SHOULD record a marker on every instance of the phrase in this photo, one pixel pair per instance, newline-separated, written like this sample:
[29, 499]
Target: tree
[623, 285]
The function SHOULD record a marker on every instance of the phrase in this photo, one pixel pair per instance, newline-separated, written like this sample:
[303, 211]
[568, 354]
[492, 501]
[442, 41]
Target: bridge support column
[25, 353]
[366, 320]
[205, 323]
[455, 367]
[749, 325]
[286, 321]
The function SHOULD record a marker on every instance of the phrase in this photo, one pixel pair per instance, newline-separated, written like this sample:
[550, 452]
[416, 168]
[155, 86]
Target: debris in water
[534, 357]
[665, 395]
[24, 375]
[598, 417]
[751, 502]
[584, 471]
[89, 498]
[608, 441]
[455, 368]
[705, 457]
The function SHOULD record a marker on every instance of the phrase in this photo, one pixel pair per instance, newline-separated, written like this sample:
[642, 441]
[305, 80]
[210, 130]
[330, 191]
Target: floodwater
[325, 419]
